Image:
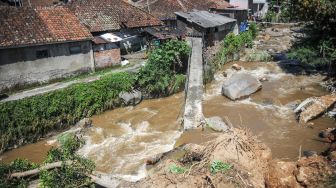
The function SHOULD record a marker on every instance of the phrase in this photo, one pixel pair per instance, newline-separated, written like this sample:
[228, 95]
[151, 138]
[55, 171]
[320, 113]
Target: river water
[123, 138]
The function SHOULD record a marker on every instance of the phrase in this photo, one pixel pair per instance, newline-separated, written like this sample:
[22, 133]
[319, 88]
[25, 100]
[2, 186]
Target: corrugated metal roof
[205, 19]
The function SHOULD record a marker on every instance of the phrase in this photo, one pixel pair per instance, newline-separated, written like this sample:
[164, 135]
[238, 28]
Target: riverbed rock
[131, 98]
[315, 107]
[263, 79]
[84, 123]
[328, 135]
[240, 85]
[217, 124]
[274, 32]
[236, 67]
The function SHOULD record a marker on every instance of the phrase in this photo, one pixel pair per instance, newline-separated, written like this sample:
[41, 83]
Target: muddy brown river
[122, 139]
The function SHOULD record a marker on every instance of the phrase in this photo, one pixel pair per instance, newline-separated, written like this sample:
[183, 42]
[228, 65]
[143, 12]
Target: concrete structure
[241, 15]
[38, 64]
[40, 45]
[242, 4]
[165, 9]
[106, 49]
[114, 17]
[193, 111]
[211, 27]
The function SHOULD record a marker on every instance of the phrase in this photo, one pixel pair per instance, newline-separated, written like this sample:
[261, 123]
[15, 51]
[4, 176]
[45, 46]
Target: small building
[211, 27]
[106, 48]
[241, 15]
[117, 19]
[165, 9]
[39, 45]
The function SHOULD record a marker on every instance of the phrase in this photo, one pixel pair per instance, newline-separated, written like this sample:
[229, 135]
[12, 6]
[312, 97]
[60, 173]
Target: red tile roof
[107, 15]
[164, 9]
[40, 3]
[28, 26]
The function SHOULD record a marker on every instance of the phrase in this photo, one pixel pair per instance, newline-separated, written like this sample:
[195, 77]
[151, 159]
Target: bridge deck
[193, 113]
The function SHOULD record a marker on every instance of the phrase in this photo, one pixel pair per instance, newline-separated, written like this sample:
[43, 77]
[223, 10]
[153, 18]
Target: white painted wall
[43, 70]
[242, 4]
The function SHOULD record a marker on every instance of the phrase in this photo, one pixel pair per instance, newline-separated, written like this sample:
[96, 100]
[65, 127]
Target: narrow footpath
[62, 85]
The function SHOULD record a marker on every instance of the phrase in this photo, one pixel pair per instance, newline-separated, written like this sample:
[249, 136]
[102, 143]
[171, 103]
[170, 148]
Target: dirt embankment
[250, 163]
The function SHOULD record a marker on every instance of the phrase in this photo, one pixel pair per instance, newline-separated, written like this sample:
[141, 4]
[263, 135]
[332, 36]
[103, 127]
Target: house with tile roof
[33, 3]
[165, 9]
[41, 44]
[120, 21]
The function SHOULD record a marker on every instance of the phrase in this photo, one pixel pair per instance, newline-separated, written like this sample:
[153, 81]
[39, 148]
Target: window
[110, 46]
[75, 49]
[42, 54]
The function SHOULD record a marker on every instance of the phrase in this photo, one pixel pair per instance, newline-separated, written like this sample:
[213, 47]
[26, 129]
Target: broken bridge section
[193, 113]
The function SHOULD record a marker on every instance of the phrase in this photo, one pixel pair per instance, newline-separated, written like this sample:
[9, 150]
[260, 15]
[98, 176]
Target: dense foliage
[163, 72]
[318, 49]
[314, 53]
[72, 173]
[232, 44]
[26, 120]
[320, 12]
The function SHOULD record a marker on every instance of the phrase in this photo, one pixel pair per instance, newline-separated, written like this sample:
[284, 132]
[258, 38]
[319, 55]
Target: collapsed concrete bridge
[193, 111]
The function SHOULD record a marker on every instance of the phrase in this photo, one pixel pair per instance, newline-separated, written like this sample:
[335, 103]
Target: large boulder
[131, 98]
[240, 85]
[217, 124]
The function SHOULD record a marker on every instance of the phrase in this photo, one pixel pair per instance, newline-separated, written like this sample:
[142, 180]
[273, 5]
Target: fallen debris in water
[314, 107]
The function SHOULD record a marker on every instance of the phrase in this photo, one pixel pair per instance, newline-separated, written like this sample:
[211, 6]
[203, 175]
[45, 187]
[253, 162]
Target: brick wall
[107, 58]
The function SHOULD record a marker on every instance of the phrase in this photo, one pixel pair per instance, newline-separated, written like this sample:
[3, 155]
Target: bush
[307, 56]
[260, 56]
[72, 174]
[234, 43]
[28, 119]
[157, 77]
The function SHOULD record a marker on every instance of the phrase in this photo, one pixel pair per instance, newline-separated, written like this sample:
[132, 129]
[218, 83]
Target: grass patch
[176, 169]
[219, 166]
[258, 56]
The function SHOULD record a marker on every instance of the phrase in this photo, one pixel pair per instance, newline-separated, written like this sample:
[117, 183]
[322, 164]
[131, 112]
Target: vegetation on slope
[233, 44]
[319, 47]
[72, 173]
[28, 119]
[164, 71]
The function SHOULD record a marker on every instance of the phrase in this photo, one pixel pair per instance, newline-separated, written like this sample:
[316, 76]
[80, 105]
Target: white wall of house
[45, 69]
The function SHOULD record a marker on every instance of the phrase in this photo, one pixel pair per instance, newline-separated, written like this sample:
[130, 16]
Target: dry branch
[48, 166]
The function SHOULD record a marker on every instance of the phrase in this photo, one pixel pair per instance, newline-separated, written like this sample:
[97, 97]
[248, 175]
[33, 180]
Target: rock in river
[131, 98]
[217, 124]
[240, 85]
[313, 107]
